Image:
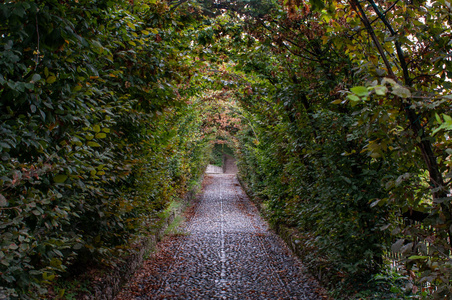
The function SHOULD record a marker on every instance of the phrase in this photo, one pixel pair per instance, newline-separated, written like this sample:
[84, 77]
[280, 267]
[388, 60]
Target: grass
[174, 227]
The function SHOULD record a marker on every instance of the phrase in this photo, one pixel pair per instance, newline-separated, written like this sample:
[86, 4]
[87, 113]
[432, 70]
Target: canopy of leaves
[339, 113]
[96, 135]
[345, 131]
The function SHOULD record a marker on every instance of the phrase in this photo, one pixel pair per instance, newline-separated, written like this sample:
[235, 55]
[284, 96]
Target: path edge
[112, 282]
[291, 238]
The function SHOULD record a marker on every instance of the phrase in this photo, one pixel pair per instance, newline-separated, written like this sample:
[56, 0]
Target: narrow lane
[228, 252]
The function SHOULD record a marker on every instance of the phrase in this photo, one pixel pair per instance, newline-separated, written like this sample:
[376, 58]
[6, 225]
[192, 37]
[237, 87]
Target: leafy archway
[338, 112]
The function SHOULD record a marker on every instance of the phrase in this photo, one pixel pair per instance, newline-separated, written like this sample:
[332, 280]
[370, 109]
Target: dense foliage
[339, 112]
[349, 139]
[95, 138]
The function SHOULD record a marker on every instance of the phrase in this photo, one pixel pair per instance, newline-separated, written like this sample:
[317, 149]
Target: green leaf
[397, 245]
[89, 136]
[346, 179]
[13, 246]
[93, 144]
[19, 11]
[401, 91]
[51, 79]
[60, 178]
[353, 97]
[101, 135]
[36, 78]
[375, 155]
[373, 204]
[96, 128]
[131, 25]
[5, 263]
[97, 47]
[380, 90]
[78, 246]
[12, 85]
[438, 119]
[388, 80]
[55, 262]
[418, 257]
[3, 201]
[5, 145]
[436, 130]
[406, 248]
[61, 293]
[360, 91]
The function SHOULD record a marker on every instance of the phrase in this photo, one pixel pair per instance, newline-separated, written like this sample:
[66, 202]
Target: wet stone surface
[227, 252]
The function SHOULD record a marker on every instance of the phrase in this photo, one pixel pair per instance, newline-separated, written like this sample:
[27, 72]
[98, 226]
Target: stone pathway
[230, 166]
[211, 169]
[227, 252]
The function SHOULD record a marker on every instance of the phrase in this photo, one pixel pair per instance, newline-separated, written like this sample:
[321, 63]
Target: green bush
[95, 142]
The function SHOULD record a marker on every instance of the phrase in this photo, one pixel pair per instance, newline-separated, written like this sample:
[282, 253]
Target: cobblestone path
[227, 253]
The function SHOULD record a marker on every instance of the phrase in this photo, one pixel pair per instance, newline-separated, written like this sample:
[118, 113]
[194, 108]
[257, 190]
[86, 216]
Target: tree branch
[399, 49]
[370, 30]
[177, 5]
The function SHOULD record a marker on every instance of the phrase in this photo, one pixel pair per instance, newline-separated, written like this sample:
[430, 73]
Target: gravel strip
[228, 252]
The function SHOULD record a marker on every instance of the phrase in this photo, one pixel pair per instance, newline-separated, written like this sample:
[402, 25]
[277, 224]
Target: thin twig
[37, 33]
[385, 12]
[177, 5]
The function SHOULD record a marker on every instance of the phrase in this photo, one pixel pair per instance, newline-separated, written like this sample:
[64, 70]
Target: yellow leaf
[374, 59]
[101, 135]
[51, 79]
[375, 155]
[60, 178]
[89, 136]
[93, 144]
[131, 25]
